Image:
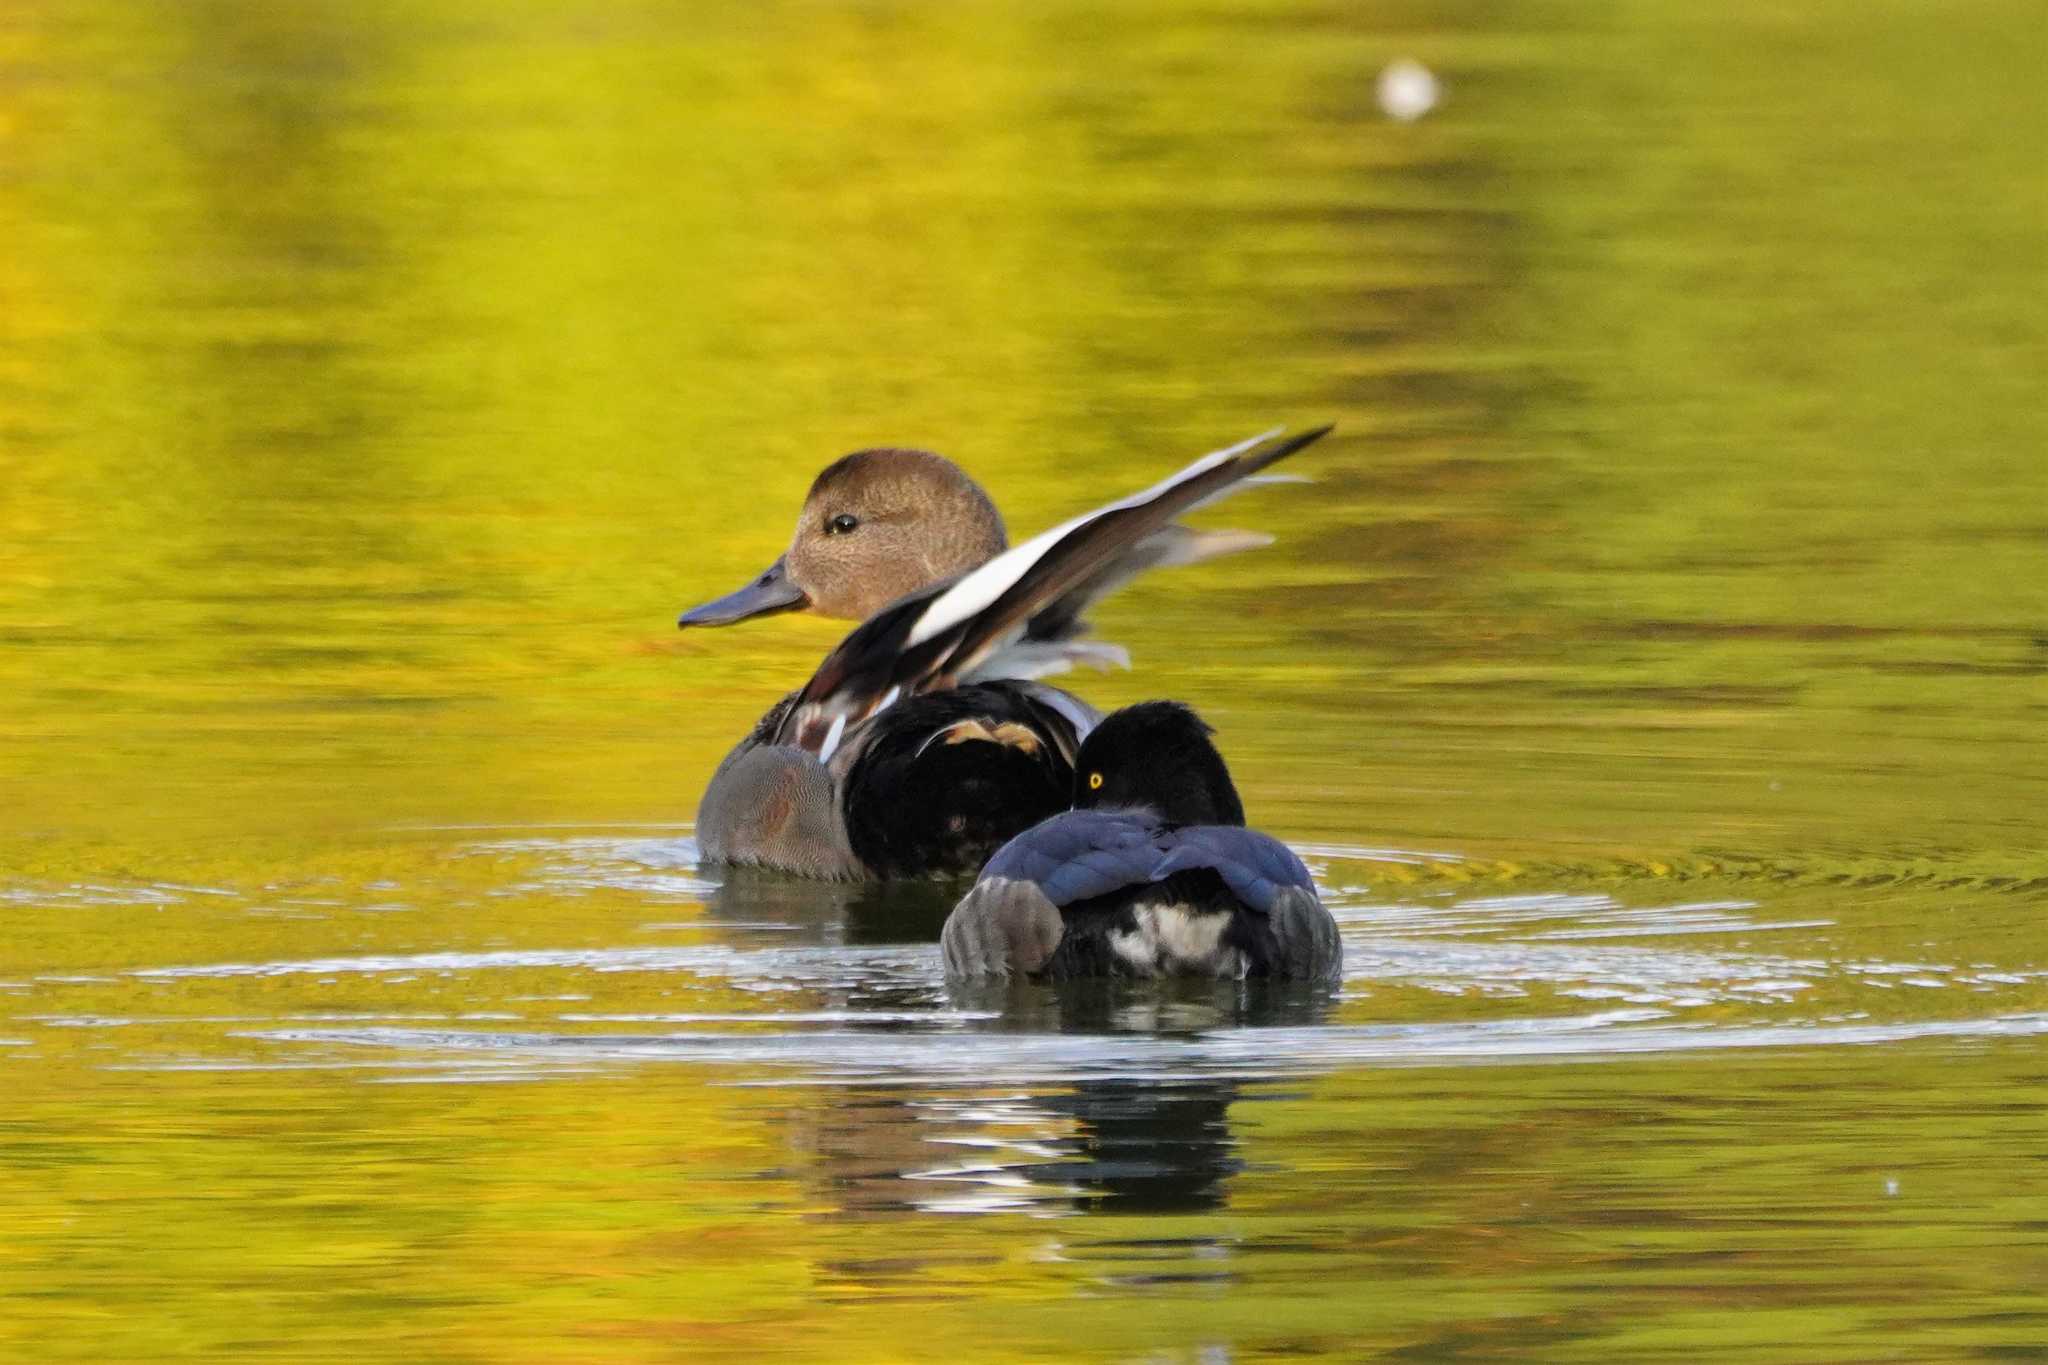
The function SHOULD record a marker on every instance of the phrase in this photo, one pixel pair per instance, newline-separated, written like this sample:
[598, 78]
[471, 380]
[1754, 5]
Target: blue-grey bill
[769, 593]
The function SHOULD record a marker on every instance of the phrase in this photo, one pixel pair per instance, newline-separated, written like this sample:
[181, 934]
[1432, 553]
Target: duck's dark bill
[770, 593]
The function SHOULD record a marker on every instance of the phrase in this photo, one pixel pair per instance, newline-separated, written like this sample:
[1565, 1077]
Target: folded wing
[1087, 853]
[1082, 854]
[1257, 868]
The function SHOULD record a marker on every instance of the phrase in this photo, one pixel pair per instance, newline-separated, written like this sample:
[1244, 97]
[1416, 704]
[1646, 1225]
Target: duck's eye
[841, 524]
[1095, 782]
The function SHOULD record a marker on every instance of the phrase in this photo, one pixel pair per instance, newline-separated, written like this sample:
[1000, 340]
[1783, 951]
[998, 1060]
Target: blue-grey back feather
[1256, 867]
[1087, 853]
[1082, 854]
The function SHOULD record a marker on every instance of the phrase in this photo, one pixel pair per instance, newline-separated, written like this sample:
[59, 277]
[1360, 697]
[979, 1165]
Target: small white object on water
[1407, 90]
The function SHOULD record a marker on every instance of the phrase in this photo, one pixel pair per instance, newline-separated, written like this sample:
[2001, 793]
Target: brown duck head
[876, 524]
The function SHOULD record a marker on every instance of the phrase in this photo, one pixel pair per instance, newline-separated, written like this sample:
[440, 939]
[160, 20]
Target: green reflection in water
[376, 380]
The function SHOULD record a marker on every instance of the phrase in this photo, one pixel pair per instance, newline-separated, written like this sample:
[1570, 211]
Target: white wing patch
[832, 737]
[983, 586]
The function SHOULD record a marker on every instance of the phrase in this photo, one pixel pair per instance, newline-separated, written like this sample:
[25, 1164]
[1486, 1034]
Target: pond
[1654, 676]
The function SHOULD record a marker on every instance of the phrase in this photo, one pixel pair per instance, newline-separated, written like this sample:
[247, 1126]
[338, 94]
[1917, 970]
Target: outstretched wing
[1026, 600]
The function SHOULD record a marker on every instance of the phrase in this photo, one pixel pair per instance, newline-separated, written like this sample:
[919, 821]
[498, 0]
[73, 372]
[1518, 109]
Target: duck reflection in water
[1101, 1142]
[872, 912]
[1147, 1144]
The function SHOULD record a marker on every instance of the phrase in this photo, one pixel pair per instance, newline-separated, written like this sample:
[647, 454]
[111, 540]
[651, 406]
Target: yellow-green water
[1655, 677]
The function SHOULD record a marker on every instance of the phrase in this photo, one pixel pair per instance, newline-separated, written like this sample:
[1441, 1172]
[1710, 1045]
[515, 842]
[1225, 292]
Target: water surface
[1654, 678]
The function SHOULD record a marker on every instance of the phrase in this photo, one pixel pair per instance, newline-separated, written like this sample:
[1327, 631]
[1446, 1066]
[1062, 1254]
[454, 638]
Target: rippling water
[1653, 678]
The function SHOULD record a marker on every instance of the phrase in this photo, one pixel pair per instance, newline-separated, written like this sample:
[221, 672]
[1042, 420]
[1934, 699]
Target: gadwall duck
[924, 742]
[1152, 873]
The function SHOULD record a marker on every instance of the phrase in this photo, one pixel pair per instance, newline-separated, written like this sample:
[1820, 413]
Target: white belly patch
[1172, 941]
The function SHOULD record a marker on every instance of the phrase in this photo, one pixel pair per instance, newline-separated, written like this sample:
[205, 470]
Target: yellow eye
[1095, 782]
